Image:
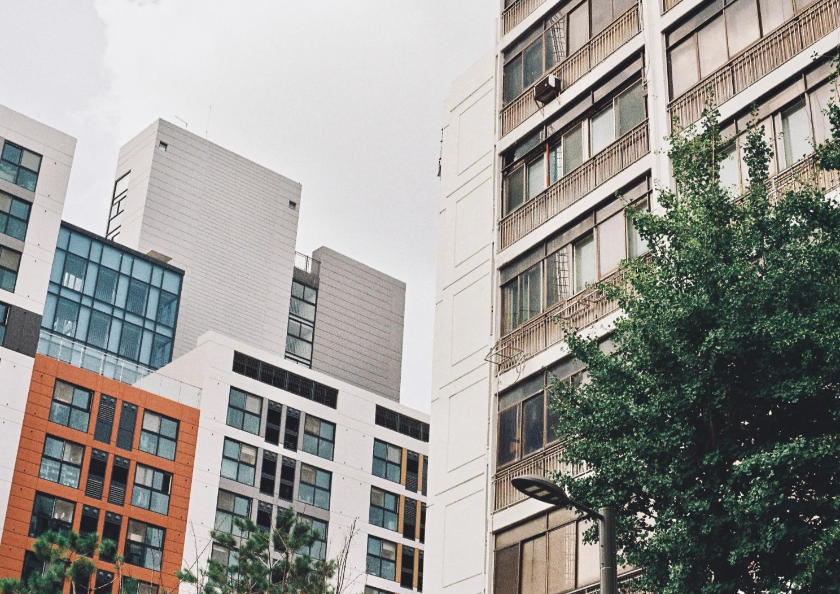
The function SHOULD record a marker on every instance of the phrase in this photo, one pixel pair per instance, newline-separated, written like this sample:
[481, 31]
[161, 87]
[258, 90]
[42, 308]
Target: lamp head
[541, 489]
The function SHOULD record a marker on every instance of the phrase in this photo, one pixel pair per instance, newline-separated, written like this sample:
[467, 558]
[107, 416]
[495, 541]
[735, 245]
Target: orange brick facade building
[97, 455]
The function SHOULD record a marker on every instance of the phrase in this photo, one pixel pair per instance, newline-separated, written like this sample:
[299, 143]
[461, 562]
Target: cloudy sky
[344, 97]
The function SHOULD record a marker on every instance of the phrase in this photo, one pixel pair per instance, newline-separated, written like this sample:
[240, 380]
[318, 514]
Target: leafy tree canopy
[713, 427]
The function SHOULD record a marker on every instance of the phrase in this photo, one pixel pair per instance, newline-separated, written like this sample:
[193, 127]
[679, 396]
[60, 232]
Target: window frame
[224, 516]
[320, 442]
[386, 462]
[375, 553]
[4, 320]
[320, 544]
[143, 545]
[63, 462]
[239, 461]
[57, 406]
[158, 436]
[50, 522]
[382, 510]
[10, 215]
[163, 491]
[243, 411]
[20, 166]
[6, 272]
[309, 492]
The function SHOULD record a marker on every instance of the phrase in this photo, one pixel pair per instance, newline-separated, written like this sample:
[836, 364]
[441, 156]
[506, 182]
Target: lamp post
[541, 489]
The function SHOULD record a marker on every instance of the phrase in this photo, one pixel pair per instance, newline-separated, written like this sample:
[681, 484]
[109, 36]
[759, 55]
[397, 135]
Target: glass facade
[113, 300]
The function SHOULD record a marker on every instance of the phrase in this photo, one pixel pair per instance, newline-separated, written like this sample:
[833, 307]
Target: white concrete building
[274, 434]
[35, 163]
[570, 108]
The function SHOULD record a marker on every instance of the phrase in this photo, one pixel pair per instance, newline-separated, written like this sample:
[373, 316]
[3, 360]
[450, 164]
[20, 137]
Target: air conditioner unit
[546, 90]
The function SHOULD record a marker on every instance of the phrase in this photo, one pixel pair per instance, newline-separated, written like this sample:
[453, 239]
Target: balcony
[766, 55]
[573, 68]
[570, 188]
[801, 175]
[518, 12]
[307, 264]
[79, 355]
[543, 463]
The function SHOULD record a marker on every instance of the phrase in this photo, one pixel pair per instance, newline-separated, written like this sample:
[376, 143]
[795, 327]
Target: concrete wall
[27, 300]
[209, 367]
[461, 388]
[223, 219]
[359, 324]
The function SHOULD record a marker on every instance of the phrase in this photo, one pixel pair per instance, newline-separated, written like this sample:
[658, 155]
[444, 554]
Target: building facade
[548, 141]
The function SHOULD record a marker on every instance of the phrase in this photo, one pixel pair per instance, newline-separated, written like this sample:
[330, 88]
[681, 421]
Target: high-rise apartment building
[548, 141]
[191, 368]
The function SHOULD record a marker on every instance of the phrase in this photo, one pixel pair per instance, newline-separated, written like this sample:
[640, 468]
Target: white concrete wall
[359, 324]
[223, 219]
[38, 250]
[209, 367]
[458, 522]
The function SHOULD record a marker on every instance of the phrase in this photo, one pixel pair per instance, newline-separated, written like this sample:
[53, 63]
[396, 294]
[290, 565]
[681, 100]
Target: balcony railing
[111, 366]
[307, 263]
[572, 69]
[570, 188]
[801, 175]
[533, 337]
[669, 4]
[766, 55]
[542, 463]
[517, 12]
[626, 583]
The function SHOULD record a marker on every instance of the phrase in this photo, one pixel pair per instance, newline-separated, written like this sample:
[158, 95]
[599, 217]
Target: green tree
[267, 562]
[714, 425]
[68, 558]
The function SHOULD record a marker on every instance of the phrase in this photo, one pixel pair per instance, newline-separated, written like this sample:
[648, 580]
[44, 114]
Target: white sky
[344, 97]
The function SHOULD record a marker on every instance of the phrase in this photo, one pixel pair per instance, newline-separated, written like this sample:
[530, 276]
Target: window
[381, 558]
[796, 134]
[522, 299]
[89, 522]
[4, 320]
[111, 528]
[272, 423]
[623, 113]
[20, 166]
[407, 567]
[244, 411]
[223, 555]
[402, 423]
[287, 479]
[387, 461]
[264, 515]
[144, 545]
[71, 406]
[290, 438]
[315, 486]
[51, 513]
[383, 509]
[14, 216]
[586, 272]
[318, 549]
[714, 35]
[239, 462]
[96, 474]
[119, 481]
[530, 58]
[159, 435]
[229, 507]
[285, 380]
[318, 437]
[151, 489]
[128, 422]
[62, 462]
[304, 300]
[9, 267]
[636, 245]
[162, 146]
[268, 473]
[301, 329]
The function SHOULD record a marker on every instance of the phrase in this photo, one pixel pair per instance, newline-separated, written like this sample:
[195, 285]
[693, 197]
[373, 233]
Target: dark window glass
[513, 80]
[268, 473]
[384, 510]
[508, 436]
[89, 523]
[71, 406]
[407, 567]
[20, 166]
[318, 437]
[9, 266]
[105, 419]
[144, 545]
[318, 549]
[159, 435]
[409, 518]
[119, 481]
[14, 216]
[315, 486]
[62, 462]
[151, 489]
[96, 474]
[272, 423]
[264, 515]
[287, 479]
[51, 513]
[387, 461]
[4, 319]
[125, 432]
[239, 462]
[533, 423]
[229, 507]
[578, 27]
[381, 558]
[244, 411]
[111, 529]
[290, 439]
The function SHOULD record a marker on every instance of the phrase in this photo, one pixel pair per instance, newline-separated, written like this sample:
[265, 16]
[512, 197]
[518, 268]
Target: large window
[14, 216]
[576, 258]
[318, 549]
[9, 267]
[536, 165]
[244, 411]
[71, 406]
[318, 437]
[239, 462]
[382, 558]
[112, 300]
[315, 486]
[526, 419]
[384, 510]
[301, 330]
[545, 555]
[144, 545]
[51, 513]
[159, 435]
[717, 33]
[151, 489]
[20, 166]
[230, 507]
[62, 462]
[387, 461]
[4, 320]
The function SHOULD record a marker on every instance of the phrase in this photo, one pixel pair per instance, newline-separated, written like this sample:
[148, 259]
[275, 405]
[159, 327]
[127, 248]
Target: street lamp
[541, 489]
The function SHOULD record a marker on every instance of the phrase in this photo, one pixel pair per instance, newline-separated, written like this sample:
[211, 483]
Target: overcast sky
[343, 97]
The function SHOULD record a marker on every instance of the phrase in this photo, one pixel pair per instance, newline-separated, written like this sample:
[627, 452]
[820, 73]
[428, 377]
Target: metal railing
[518, 12]
[546, 330]
[572, 69]
[766, 55]
[307, 263]
[543, 463]
[570, 188]
[806, 173]
[80, 355]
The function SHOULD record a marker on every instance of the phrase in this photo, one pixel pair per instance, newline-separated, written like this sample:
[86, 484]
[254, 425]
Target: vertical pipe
[606, 534]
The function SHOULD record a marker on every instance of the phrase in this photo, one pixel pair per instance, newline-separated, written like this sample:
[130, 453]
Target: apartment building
[548, 141]
[158, 393]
